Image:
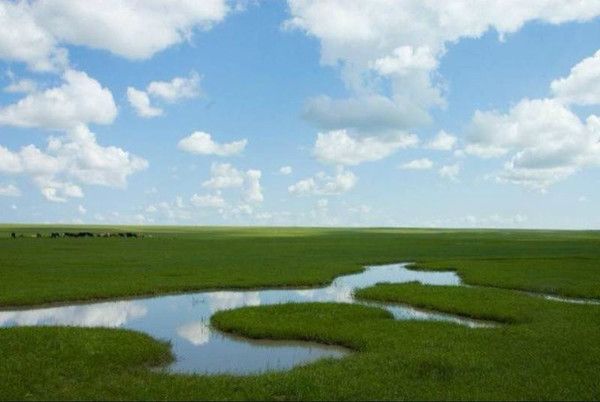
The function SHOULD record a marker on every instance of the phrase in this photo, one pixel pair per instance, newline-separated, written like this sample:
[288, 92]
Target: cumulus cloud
[582, 85]
[224, 175]
[417, 164]
[201, 143]
[285, 170]
[404, 60]
[208, 201]
[323, 184]
[23, 39]
[412, 32]
[57, 191]
[173, 211]
[24, 85]
[442, 142]
[34, 32]
[388, 51]
[450, 172]
[253, 191]
[367, 113]
[339, 147]
[169, 91]
[10, 190]
[141, 103]
[176, 89]
[79, 100]
[70, 160]
[544, 141]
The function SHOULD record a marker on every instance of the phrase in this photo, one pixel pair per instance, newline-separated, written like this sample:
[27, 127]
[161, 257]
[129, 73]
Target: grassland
[543, 350]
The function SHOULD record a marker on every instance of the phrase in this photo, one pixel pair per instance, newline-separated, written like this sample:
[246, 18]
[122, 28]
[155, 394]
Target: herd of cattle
[56, 235]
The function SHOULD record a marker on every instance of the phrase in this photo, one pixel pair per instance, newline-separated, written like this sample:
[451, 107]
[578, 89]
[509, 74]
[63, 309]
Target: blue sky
[343, 113]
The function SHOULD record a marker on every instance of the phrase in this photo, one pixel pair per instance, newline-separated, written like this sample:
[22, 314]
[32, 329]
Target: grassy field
[543, 349]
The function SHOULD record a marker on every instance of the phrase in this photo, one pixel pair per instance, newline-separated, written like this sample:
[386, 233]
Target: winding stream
[198, 348]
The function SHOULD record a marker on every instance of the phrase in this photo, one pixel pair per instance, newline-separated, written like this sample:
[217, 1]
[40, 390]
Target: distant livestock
[57, 235]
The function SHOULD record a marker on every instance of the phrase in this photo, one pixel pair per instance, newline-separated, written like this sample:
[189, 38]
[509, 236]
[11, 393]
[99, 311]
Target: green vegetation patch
[480, 303]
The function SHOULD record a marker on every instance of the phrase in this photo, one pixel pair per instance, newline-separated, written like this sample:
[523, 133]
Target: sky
[403, 113]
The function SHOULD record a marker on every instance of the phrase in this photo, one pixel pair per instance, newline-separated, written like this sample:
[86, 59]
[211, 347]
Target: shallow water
[198, 348]
[571, 300]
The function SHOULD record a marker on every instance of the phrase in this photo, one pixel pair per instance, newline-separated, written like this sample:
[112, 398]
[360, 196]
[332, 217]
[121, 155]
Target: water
[198, 348]
[571, 300]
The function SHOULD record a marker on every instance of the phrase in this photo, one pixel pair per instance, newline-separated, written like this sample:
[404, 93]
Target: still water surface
[198, 348]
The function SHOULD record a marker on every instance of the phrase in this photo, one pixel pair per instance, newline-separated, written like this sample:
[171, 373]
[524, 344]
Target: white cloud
[21, 86]
[170, 91]
[79, 100]
[208, 200]
[141, 103]
[253, 192]
[418, 164]
[74, 158]
[57, 191]
[10, 190]
[285, 170]
[176, 89]
[442, 142]
[202, 143]
[81, 209]
[366, 113]
[341, 148]
[175, 211]
[35, 31]
[404, 60]
[224, 175]
[91, 163]
[322, 184]
[582, 85]
[544, 140]
[450, 171]
[22, 39]
[388, 51]
[360, 33]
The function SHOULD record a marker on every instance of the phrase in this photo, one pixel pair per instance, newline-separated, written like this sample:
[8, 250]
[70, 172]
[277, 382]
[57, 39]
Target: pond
[184, 320]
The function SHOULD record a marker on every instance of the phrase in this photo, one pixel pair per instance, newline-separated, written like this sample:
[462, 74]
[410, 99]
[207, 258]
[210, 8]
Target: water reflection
[110, 314]
[183, 319]
[197, 333]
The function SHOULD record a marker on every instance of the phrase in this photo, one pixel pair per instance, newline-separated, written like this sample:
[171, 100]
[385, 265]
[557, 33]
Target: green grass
[544, 349]
[35, 271]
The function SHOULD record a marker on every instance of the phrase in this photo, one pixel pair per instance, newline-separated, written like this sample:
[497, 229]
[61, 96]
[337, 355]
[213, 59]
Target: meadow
[540, 349]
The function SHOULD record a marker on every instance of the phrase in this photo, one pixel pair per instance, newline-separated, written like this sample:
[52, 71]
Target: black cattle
[13, 235]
